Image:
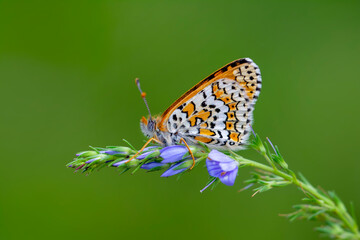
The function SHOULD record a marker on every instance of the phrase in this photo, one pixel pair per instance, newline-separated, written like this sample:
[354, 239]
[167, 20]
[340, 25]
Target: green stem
[269, 161]
[321, 199]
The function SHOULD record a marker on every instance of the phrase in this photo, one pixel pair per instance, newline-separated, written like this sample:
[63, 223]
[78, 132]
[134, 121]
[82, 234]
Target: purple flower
[173, 153]
[152, 165]
[172, 171]
[222, 166]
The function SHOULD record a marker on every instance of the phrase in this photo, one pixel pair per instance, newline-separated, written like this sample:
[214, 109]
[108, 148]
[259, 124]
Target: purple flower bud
[91, 160]
[148, 148]
[151, 165]
[208, 185]
[113, 152]
[146, 152]
[252, 130]
[222, 166]
[144, 155]
[86, 153]
[171, 171]
[271, 144]
[119, 163]
[101, 157]
[173, 153]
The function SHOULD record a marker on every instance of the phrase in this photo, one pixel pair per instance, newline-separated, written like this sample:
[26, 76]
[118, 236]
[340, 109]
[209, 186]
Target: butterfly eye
[151, 125]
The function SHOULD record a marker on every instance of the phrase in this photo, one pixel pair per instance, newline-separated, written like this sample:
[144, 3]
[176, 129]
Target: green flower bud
[85, 154]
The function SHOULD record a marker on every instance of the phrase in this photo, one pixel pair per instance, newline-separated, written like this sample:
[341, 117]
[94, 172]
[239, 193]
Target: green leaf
[204, 146]
[257, 144]
[131, 146]
[94, 148]
[293, 216]
[123, 170]
[313, 216]
[352, 211]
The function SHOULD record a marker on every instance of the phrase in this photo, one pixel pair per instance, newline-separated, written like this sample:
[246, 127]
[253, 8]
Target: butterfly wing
[218, 110]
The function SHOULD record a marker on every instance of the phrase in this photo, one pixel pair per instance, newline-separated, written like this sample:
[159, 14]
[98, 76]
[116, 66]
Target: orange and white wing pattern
[218, 110]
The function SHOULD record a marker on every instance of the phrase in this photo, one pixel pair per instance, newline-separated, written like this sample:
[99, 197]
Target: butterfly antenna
[143, 95]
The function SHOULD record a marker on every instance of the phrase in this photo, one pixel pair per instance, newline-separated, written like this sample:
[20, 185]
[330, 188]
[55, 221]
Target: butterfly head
[148, 126]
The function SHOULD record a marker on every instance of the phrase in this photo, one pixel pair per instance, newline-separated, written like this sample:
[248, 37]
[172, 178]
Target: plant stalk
[321, 199]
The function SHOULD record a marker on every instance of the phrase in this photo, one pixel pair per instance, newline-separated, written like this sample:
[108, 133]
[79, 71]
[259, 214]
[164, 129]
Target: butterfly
[217, 112]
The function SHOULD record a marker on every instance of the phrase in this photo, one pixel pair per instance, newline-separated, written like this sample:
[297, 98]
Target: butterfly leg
[191, 153]
[142, 149]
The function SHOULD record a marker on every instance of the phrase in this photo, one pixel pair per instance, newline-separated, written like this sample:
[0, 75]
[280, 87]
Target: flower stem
[307, 188]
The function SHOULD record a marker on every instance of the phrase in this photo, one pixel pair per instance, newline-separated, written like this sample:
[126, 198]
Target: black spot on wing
[204, 94]
[181, 106]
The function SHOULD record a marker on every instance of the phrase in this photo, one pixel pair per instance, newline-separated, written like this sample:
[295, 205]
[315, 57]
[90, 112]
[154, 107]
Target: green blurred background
[67, 72]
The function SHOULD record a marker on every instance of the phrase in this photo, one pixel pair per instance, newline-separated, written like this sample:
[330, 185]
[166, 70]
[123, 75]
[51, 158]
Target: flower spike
[175, 160]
